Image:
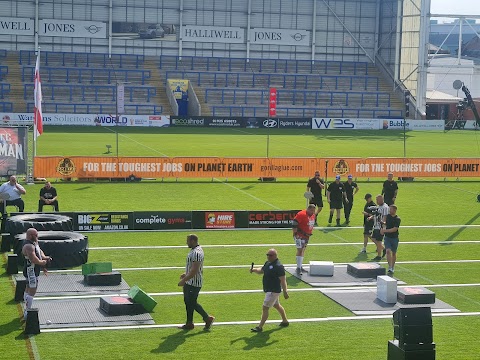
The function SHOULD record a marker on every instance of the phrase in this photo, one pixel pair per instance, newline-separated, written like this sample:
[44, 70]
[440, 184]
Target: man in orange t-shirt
[302, 230]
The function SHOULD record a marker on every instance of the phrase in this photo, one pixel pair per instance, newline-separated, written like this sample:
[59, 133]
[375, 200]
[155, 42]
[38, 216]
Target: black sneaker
[186, 327]
[377, 258]
[256, 329]
[298, 271]
[284, 324]
[330, 218]
[209, 322]
[384, 252]
[347, 221]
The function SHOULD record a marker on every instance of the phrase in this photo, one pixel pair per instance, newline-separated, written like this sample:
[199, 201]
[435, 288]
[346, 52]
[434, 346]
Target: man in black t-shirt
[274, 282]
[367, 224]
[315, 185]
[390, 190]
[335, 197]
[390, 240]
[48, 196]
[350, 185]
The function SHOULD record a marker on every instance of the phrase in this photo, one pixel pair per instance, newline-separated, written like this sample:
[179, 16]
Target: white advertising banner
[16, 26]
[397, 124]
[279, 37]
[213, 34]
[73, 28]
[87, 119]
[471, 125]
[351, 124]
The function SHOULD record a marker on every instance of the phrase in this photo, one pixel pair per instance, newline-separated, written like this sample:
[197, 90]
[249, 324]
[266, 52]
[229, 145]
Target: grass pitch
[430, 204]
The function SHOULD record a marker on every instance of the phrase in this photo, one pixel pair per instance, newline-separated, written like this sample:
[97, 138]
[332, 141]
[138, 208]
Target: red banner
[272, 110]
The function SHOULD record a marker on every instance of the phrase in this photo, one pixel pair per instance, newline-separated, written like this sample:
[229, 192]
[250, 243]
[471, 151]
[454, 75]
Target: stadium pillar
[180, 40]
[249, 23]
[314, 29]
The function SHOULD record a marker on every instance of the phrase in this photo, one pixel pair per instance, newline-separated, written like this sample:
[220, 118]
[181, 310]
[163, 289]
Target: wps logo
[329, 124]
[270, 123]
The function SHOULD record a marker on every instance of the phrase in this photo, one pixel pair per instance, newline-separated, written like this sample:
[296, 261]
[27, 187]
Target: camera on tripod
[373, 210]
[462, 105]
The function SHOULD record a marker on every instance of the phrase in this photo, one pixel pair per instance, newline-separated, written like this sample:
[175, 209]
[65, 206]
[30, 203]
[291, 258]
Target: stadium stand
[86, 83]
[235, 87]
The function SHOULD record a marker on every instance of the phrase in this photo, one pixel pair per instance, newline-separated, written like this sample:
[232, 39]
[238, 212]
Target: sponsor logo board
[72, 28]
[219, 220]
[292, 123]
[279, 37]
[94, 221]
[271, 219]
[162, 220]
[16, 26]
[213, 34]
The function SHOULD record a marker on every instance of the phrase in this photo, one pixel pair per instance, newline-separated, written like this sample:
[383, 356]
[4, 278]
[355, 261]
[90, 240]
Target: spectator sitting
[14, 193]
[48, 196]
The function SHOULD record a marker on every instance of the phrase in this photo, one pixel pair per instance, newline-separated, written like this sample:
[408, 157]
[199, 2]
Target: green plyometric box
[140, 297]
[95, 268]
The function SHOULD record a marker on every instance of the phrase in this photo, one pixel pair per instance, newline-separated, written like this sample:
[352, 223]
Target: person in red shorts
[303, 224]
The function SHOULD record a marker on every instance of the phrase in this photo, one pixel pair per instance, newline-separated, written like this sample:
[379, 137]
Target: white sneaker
[363, 251]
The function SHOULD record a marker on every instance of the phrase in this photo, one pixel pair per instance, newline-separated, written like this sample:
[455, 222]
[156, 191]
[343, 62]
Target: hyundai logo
[93, 29]
[269, 123]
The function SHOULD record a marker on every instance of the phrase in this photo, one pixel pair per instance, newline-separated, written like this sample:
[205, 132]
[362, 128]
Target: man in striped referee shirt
[192, 281]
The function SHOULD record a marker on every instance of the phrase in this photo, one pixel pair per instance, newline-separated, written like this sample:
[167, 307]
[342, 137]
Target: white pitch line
[281, 229]
[449, 242]
[252, 322]
[256, 291]
[246, 193]
[286, 265]
[33, 344]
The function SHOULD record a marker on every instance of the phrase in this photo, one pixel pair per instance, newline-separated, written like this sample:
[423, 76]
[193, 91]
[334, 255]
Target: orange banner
[210, 167]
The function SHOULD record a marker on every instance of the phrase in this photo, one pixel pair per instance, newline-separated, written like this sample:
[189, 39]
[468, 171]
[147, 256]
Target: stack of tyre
[55, 236]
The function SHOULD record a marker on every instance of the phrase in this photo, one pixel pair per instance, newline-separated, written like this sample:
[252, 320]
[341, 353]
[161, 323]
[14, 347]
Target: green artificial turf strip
[91, 141]
[360, 340]
[420, 203]
[244, 256]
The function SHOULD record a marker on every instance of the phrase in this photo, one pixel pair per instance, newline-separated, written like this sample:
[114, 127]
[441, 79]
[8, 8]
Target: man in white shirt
[14, 192]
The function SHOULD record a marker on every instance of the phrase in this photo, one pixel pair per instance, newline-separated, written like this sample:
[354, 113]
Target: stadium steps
[157, 80]
[14, 77]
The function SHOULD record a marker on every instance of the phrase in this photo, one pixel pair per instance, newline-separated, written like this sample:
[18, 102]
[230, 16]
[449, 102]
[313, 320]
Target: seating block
[387, 289]
[95, 268]
[321, 268]
[103, 279]
[140, 297]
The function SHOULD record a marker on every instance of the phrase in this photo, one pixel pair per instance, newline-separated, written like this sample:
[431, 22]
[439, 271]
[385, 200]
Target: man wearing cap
[350, 193]
[302, 230]
[390, 190]
[367, 223]
[335, 197]
[390, 232]
[315, 185]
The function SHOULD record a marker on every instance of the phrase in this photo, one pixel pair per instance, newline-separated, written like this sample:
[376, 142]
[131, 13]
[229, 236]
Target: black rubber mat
[69, 284]
[82, 313]
[365, 302]
[340, 278]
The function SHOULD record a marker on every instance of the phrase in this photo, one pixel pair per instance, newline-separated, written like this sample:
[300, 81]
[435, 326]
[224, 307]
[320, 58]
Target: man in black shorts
[390, 232]
[35, 259]
[335, 197]
[315, 185]
[367, 224]
[390, 190]
[351, 188]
